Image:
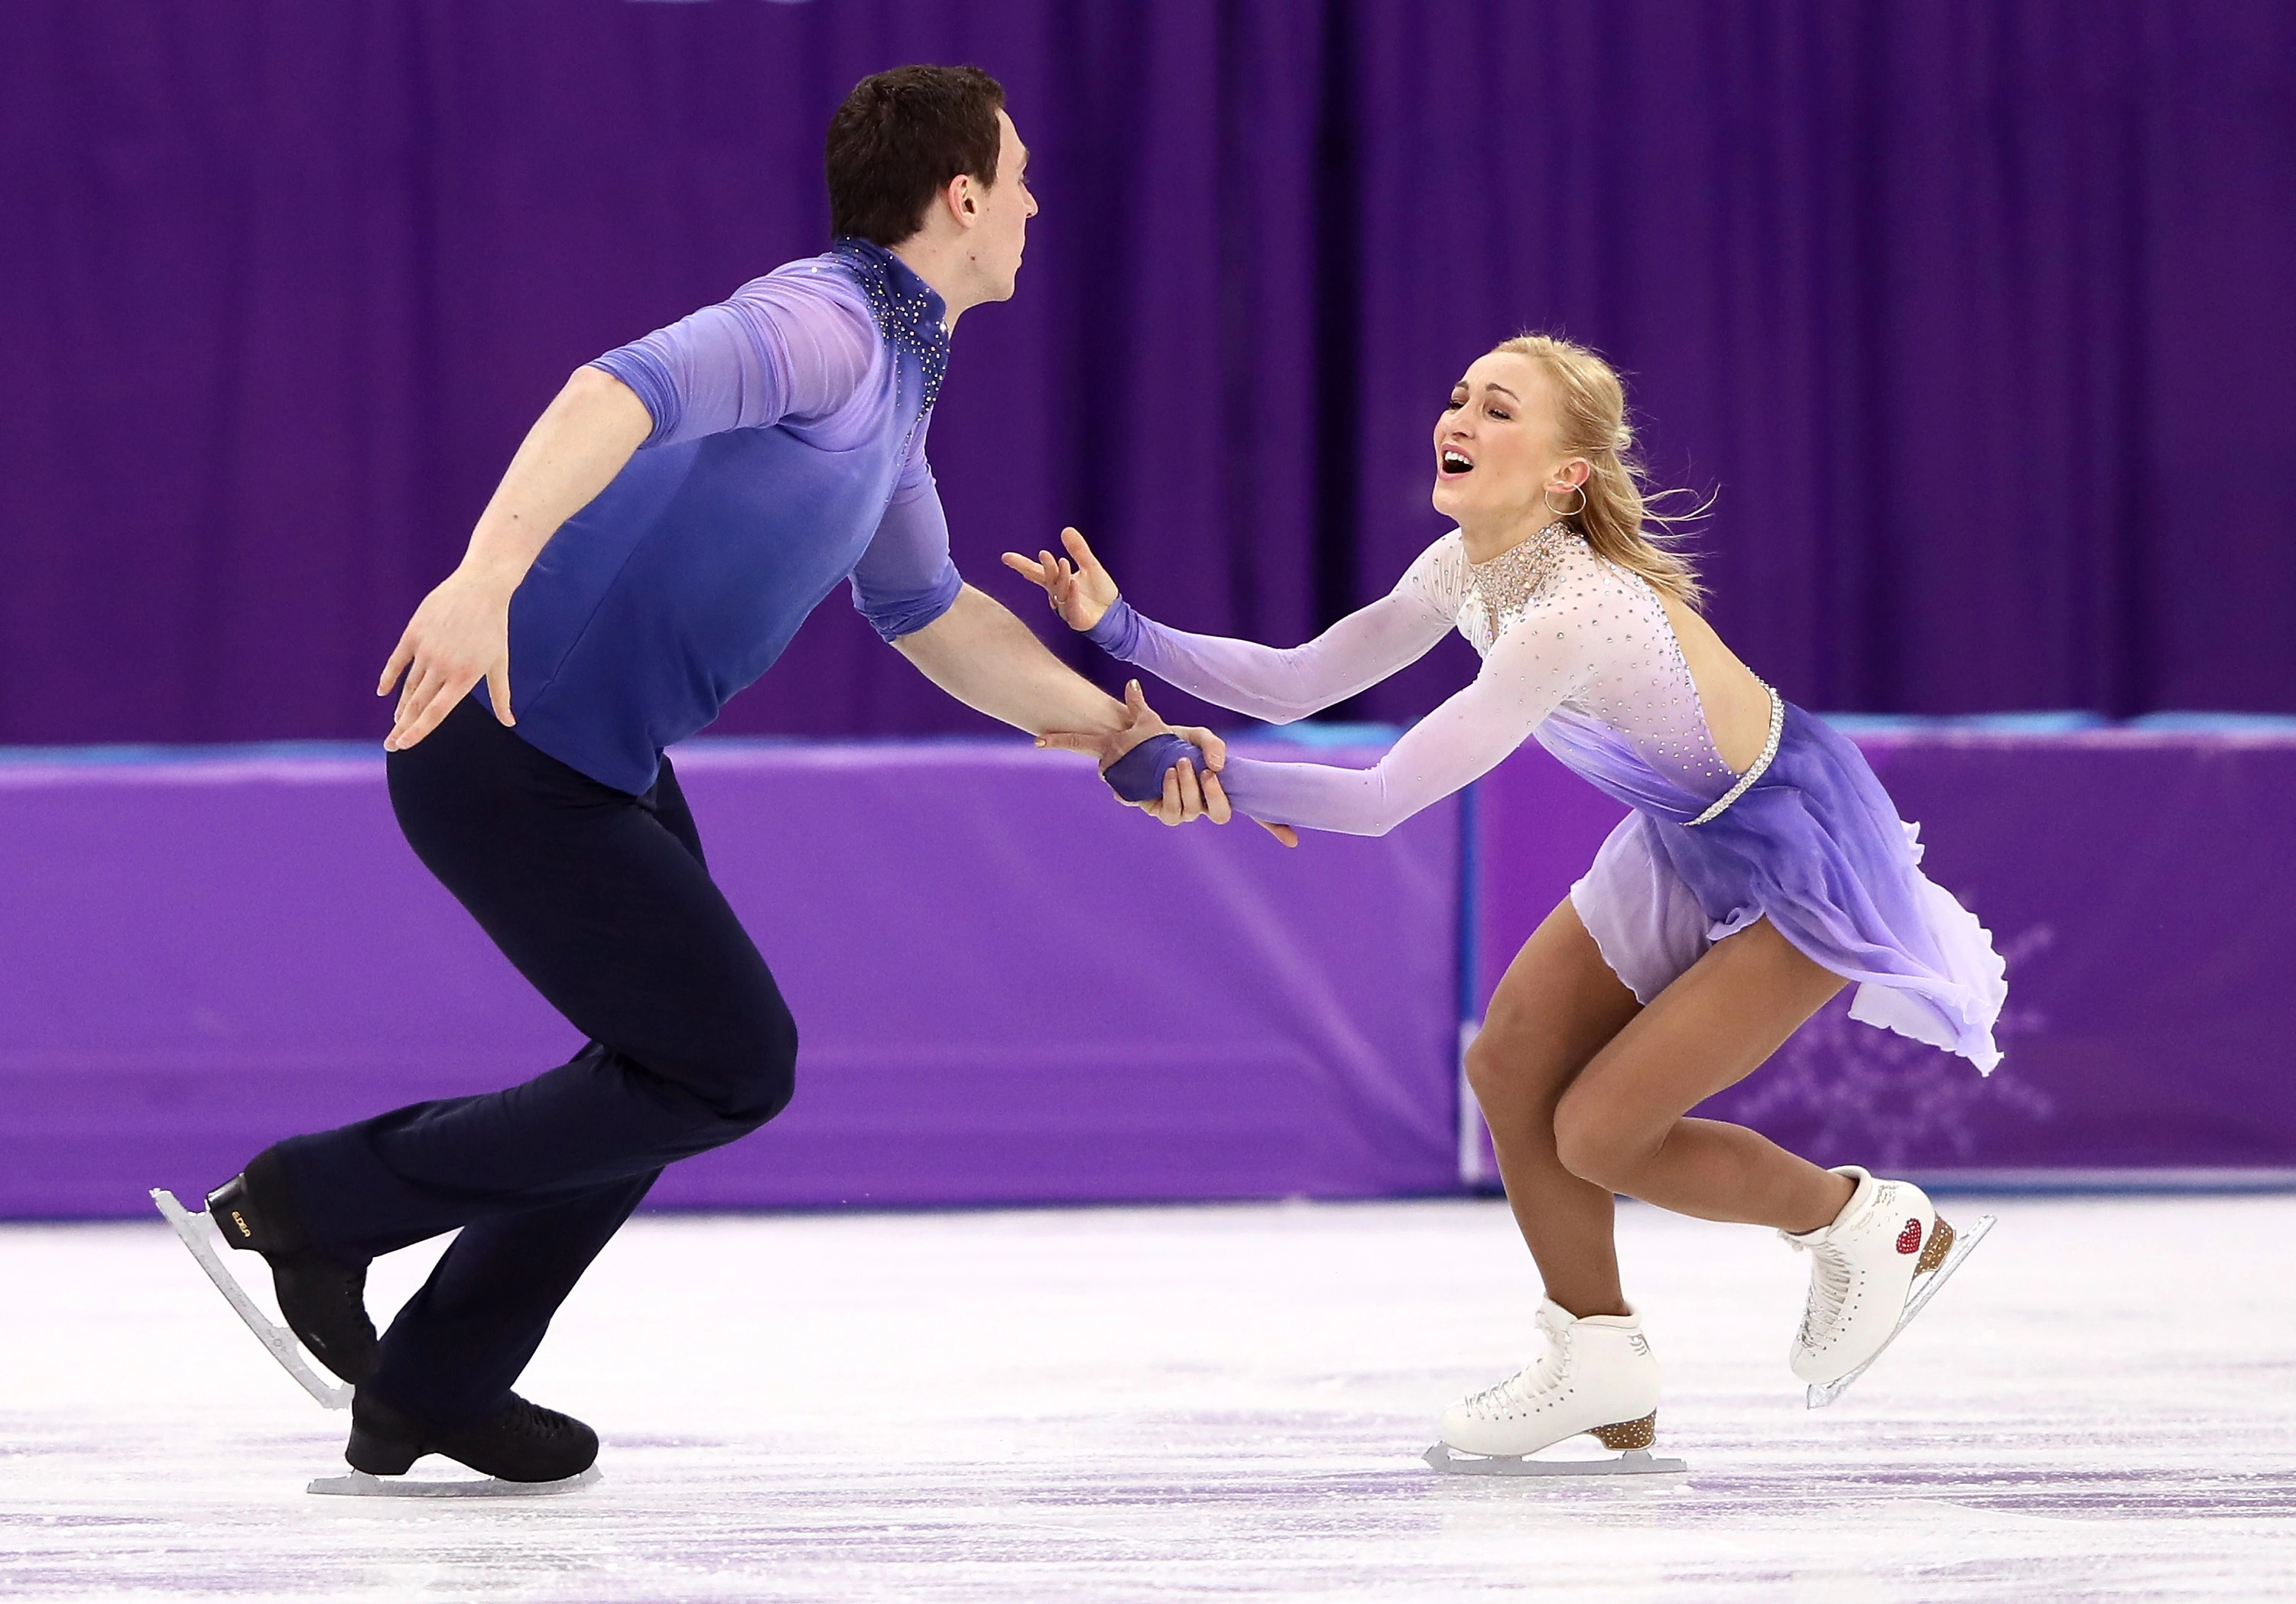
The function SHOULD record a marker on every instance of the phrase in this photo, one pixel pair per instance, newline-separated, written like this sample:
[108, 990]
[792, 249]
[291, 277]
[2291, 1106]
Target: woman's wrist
[1138, 776]
[1118, 630]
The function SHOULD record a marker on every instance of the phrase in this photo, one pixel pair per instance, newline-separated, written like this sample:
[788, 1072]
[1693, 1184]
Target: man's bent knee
[747, 1075]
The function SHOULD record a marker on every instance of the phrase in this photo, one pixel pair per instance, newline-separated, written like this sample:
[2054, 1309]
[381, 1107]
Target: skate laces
[1831, 1277]
[1543, 1374]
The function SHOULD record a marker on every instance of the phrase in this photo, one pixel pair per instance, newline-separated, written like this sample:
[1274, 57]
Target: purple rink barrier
[1008, 989]
[2140, 882]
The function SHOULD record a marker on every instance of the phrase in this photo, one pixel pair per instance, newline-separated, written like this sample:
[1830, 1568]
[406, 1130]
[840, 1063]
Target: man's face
[1001, 214]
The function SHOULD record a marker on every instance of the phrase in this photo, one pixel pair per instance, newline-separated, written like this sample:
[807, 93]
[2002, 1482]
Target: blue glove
[1138, 776]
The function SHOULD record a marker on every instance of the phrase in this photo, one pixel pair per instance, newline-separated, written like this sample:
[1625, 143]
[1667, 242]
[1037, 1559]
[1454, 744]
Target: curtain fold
[1973, 316]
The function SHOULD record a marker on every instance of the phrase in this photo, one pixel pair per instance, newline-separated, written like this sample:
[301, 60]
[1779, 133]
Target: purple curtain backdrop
[1974, 313]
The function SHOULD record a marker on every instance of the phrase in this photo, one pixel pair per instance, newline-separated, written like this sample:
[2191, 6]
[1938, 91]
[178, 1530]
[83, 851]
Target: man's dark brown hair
[897, 141]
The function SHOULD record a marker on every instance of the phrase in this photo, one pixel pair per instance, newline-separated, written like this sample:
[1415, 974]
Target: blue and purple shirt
[787, 454]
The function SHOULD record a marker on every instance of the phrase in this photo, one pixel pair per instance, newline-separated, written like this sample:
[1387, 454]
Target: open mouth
[1453, 461]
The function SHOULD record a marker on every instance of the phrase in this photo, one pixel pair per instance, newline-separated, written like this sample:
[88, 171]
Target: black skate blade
[1964, 1243]
[198, 1233]
[358, 1484]
[1634, 1462]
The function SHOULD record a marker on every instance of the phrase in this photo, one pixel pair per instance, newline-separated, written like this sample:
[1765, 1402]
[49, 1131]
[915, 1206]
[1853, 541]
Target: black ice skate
[521, 1449]
[198, 1234]
[322, 1302]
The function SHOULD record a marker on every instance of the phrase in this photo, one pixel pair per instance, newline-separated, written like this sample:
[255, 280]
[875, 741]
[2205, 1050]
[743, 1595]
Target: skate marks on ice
[358, 1484]
[1634, 1462]
[1964, 1243]
[1168, 1406]
[198, 1233]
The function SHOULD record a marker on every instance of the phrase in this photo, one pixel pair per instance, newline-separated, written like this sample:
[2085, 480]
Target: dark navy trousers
[602, 900]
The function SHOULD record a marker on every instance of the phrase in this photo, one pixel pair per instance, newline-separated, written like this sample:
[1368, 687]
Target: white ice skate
[1597, 1376]
[198, 1233]
[1876, 1267]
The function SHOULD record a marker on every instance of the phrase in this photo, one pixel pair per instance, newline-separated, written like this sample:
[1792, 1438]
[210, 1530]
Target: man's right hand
[459, 635]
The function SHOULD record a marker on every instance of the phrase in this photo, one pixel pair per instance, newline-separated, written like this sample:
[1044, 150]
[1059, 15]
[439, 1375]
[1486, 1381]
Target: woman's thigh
[1551, 1012]
[1714, 1025]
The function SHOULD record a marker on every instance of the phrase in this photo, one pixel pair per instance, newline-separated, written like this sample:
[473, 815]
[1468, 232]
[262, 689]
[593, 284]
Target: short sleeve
[793, 345]
[905, 579]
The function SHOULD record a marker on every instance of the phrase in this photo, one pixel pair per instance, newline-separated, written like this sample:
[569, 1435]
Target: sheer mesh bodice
[1577, 652]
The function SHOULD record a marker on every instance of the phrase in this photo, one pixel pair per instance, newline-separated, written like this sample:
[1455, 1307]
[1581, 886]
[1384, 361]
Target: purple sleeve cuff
[1118, 633]
[893, 616]
[649, 380]
[1138, 776]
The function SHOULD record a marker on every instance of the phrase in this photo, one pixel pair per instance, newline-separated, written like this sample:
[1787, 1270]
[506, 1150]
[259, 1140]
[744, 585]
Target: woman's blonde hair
[1617, 519]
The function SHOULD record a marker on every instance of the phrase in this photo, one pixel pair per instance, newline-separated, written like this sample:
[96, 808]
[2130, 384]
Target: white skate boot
[1597, 1375]
[1882, 1259]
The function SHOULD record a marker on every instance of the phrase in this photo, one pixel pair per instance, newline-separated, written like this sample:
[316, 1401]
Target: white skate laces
[1861, 1273]
[1592, 1375]
[1545, 1374]
[1830, 1277]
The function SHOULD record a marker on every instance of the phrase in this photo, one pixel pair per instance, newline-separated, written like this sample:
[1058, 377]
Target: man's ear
[958, 197]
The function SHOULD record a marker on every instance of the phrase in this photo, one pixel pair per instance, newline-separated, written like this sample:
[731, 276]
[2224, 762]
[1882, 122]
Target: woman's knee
[1595, 1143]
[1513, 1075]
[1486, 1065]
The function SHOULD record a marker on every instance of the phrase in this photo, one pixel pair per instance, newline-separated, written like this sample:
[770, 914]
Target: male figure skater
[669, 521]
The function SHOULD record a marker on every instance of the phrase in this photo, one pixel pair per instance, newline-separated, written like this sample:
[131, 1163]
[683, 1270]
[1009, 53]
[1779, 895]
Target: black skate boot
[521, 1441]
[323, 1303]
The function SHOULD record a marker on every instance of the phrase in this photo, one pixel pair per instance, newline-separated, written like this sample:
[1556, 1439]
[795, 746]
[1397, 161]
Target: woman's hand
[459, 635]
[1079, 590]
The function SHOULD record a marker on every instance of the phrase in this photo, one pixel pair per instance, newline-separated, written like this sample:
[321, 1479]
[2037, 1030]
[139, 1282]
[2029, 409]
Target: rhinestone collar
[908, 311]
[1506, 583]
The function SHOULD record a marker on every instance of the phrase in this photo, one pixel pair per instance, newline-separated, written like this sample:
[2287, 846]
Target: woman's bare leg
[1555, 1008]
[1619, 1124]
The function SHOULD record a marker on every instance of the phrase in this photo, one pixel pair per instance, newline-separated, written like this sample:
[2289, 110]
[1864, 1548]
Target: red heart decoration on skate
[1909, 1240]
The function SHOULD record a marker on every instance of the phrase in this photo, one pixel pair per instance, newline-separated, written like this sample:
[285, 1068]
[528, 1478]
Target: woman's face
[1495, 450]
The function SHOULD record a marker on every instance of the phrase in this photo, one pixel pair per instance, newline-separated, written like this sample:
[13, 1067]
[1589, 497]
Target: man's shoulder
[817, 281]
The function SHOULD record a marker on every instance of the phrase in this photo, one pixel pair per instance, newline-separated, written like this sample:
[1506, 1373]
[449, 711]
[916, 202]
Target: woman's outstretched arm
[1529, 672]
[1276, 683]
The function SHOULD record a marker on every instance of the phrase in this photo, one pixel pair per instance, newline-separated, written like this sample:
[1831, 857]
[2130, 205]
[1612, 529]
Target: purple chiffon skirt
[1815, 847]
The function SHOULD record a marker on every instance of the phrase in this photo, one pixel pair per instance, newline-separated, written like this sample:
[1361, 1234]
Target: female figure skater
[1761, 870]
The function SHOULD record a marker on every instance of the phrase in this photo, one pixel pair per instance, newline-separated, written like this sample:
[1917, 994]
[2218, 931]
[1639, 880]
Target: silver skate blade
[1634, 1462]
[1964, 1242]
[358, 1484]
[197, 1233]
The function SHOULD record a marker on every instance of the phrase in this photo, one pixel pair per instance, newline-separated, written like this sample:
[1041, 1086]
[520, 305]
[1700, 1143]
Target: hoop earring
[1558, 512]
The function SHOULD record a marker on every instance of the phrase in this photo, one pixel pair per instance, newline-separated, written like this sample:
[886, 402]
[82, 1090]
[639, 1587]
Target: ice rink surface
[1193, 1403]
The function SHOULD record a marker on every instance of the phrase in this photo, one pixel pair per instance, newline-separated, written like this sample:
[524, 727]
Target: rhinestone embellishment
[1506, 585]
[1760, 766]
[906, 311]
